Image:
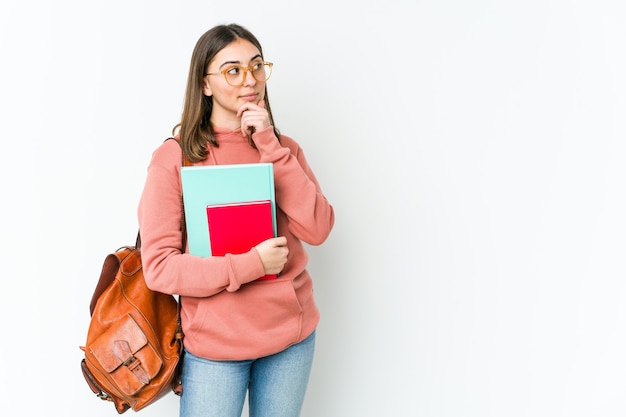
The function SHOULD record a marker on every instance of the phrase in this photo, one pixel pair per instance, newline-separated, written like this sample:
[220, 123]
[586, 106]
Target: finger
[242, 110]
[245, 124]
[247, 128]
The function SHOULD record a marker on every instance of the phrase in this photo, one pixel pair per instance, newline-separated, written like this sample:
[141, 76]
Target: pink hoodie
[227, 314]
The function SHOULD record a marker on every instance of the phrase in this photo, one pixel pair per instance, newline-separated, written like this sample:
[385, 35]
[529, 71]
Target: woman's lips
[250, 97]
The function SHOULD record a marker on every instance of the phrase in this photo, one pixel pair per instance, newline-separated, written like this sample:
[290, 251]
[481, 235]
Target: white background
[474, 152]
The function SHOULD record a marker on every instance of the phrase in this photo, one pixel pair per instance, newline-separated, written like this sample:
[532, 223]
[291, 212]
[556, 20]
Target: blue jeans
[276, 384]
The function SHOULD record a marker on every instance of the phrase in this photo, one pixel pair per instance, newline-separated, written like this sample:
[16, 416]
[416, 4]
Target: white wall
[473, 151]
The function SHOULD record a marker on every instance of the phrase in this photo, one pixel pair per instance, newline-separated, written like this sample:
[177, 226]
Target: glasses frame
[245, 72]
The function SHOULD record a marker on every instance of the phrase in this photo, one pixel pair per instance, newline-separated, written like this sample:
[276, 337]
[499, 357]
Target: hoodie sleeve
[298, 194]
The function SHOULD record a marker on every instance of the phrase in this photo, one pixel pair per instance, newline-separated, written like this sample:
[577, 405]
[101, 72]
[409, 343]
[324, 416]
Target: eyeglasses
[235, 75]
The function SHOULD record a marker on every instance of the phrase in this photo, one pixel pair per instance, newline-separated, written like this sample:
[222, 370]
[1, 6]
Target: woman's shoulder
[289, 142]
[168, 153]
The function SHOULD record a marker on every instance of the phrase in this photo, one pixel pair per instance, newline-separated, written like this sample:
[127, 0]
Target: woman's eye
[257, 66]
[233, 70]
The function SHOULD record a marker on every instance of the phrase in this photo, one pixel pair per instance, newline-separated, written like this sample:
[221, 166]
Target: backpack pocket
[124, 353]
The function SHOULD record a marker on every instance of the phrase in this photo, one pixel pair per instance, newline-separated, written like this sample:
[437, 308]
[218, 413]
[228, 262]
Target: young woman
[242, 335]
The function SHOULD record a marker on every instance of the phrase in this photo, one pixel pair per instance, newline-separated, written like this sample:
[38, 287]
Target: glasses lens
[234, 75]
[261, 71]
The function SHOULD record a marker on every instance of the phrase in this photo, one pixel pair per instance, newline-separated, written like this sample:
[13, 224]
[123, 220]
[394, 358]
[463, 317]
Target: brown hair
[196, 132]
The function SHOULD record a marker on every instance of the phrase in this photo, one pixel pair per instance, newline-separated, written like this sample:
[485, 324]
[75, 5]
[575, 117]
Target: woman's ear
[206, 90]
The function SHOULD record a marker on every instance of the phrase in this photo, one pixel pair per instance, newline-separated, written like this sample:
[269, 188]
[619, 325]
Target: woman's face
[227, 99]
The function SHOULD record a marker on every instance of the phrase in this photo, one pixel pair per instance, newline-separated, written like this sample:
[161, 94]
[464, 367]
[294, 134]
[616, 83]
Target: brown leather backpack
[134, 342]
[133, 352]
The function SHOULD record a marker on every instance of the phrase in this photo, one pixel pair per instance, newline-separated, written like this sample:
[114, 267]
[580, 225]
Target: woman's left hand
[254, 118]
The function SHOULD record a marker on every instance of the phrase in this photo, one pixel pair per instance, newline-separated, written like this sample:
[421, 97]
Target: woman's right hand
[273, 253]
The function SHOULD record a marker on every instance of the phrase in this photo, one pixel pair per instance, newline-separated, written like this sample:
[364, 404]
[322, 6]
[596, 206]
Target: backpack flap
[124, 353]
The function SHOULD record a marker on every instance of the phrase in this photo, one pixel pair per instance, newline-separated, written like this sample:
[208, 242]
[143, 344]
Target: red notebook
[237, 227]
